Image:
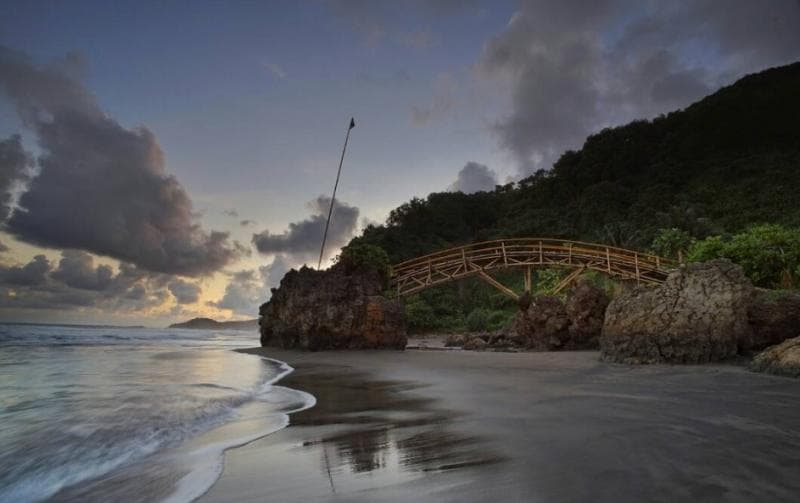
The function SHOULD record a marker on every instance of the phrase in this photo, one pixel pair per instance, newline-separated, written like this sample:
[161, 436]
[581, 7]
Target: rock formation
[586, 309]
[544, 326]
[545, 323]
[700, 314]
[782, 359]
[340, 308]
[774, 317]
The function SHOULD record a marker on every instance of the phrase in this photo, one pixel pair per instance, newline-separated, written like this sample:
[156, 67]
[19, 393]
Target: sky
[161, 160]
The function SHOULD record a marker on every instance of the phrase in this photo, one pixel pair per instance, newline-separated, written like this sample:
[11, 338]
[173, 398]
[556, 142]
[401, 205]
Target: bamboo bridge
[478, 259]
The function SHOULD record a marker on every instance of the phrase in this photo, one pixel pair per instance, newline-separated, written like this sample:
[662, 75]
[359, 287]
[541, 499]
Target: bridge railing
[419, 273]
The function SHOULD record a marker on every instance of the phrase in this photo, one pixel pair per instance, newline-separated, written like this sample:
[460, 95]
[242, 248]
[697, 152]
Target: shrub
[672, 243]
[769, 254]
[363, 255]
[478, 320]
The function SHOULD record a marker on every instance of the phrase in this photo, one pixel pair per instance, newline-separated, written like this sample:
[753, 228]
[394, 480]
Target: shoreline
[472, 426]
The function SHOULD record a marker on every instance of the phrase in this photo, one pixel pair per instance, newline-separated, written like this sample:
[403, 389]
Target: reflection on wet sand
[380, 426]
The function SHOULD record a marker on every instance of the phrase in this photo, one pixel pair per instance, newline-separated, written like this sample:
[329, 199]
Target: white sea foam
[96, 412]
[207, 461]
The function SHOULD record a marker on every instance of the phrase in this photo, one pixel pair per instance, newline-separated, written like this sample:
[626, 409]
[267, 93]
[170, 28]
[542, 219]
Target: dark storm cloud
[102, 188]
[474, 177]
[32, 273]
[575, 67]
[78, 282]
[303, 239]
[76, 269]
[15, 168]
[184, 291]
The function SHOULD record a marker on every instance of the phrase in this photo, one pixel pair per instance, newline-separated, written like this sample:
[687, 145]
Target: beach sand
[458, 426]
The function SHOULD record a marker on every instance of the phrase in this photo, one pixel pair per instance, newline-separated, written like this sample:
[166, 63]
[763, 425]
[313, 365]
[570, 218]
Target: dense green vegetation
[357, 255]
[769, 254]
[719, 167]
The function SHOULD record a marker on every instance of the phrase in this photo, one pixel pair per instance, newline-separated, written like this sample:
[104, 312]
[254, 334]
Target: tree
[769, 254]
[672, 243]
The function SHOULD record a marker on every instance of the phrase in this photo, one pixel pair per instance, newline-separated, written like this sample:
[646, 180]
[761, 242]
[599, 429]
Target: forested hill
[726, 162]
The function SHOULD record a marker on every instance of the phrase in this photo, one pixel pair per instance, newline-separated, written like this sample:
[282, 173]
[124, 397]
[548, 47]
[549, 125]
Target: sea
[130, 414]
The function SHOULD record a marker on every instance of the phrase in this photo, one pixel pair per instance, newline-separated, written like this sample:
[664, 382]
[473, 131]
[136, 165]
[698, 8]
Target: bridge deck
[452, 264]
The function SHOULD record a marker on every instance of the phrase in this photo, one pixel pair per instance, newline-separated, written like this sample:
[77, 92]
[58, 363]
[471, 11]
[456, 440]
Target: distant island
[209, 324]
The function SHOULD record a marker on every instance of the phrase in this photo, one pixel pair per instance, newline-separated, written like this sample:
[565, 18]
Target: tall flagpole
[333, 198]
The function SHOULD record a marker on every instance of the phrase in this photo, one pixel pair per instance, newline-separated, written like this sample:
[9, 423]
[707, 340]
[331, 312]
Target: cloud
[275, 70]
[76, 269]
[575, 67]
[32, 273]
[78, 283]
[302, 239]
[248, 289]
[474, 177]
[15, 167]
[184, 291]
[102, 188]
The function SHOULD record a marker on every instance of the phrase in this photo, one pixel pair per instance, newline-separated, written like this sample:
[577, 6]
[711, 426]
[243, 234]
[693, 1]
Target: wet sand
[455, 426]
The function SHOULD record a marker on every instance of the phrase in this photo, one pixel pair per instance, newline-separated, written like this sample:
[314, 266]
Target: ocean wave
[58, 437]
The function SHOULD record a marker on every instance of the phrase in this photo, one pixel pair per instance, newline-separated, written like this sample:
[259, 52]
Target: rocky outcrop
[774, 317]
[455, 340]
[544, 326]
[586, 309]
[340, 308]
[475, 343]
[548, 324]
[700, 314]
[783, 359]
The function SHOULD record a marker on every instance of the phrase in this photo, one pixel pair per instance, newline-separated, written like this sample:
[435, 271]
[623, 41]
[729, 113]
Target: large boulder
[543, 326]
[340, 308]
[546, 323]
[783, 359]
[774, 317]
[700, 314]
[586, 309]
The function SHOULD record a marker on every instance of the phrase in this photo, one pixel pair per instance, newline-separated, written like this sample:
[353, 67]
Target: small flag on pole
[352, 123]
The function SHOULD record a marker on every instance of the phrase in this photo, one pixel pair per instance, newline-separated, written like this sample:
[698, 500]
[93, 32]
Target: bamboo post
[511, 293]
[527, 279]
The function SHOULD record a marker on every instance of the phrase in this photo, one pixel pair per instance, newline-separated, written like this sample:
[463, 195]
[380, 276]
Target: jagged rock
[455, 340]
[698, 315]
[782, 359]
[475, 343]
[774, 317]
[340, 308]
[586, 308]
[544, 326]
